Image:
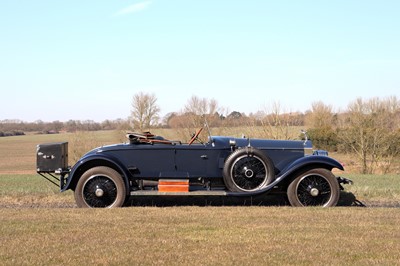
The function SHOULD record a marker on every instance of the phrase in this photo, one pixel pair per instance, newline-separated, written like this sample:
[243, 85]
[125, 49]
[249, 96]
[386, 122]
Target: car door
[191, 161]
[152, 161]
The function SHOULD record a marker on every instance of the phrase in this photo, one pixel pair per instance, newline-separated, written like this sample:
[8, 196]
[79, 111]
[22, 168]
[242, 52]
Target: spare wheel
[247, 170]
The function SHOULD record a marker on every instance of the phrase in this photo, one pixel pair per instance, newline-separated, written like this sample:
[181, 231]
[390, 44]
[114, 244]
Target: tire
[100, 187]
[316, 187]
[247, 170]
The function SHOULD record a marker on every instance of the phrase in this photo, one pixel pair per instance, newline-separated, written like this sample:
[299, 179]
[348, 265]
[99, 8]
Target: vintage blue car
[150, 165]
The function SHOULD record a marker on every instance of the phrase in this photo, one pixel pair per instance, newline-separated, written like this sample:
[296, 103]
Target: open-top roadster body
[224, 166]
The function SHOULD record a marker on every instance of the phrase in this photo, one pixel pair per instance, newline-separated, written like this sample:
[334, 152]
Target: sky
[85, 60]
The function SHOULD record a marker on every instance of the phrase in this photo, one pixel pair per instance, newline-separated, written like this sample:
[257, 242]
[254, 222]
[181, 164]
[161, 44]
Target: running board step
[173, 185]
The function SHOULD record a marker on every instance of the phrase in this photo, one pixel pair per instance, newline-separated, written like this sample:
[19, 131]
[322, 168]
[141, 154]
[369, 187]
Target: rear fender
[92, 161]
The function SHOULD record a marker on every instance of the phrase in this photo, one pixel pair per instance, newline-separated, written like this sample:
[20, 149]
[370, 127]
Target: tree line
[369, 128]
[18, 127]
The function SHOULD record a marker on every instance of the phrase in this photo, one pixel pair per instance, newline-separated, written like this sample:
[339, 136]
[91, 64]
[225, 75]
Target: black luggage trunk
[52, 157]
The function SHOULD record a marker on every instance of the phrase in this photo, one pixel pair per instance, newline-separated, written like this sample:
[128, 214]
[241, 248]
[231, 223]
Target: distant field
[18, 153]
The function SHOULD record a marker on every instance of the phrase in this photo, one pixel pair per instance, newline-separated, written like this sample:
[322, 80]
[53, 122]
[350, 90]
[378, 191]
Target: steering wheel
[195, 136]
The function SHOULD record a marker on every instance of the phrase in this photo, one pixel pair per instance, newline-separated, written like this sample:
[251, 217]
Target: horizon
[281, 109]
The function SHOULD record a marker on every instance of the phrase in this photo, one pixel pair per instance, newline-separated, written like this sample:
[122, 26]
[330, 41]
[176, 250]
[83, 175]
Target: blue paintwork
[155, 161]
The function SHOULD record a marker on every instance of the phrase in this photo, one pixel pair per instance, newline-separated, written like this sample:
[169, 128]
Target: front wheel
[100, 187]
[316, 187]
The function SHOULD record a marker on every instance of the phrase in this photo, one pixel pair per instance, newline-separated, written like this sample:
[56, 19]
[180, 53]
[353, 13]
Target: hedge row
[11, 133]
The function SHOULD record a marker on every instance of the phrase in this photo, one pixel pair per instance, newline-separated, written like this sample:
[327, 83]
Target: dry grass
[200, 236]
[34, 230]
[376, 190]
[19, 153]
[18, 191]
[34, 191]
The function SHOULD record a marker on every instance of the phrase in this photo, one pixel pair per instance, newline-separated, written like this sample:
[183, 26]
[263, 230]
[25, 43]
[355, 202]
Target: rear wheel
[100, 187]
[247, 170]
[316, 187]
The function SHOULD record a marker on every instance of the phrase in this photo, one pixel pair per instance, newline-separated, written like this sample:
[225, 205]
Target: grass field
[40, 226]
[26, 190]
[200, 236]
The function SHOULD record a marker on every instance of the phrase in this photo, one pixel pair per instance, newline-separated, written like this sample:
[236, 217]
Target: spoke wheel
[100, 187]
[247, 170]
[317, 187]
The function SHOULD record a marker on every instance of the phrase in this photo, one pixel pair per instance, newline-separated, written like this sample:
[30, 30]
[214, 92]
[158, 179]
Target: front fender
[312, 161]
[93, 160]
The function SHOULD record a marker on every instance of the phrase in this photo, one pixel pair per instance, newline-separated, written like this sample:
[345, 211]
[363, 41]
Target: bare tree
[145, 111]
[197, 110]
[277, 124]
[369, 129]
[321, 115]
[193, 116]
[321, 121]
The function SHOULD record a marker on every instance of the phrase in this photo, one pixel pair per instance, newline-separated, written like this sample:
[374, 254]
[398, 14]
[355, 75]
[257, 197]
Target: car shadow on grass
[346, 199]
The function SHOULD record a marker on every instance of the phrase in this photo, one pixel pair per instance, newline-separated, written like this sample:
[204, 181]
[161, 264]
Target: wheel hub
[314, 192]
[99, 192]
[248, 173]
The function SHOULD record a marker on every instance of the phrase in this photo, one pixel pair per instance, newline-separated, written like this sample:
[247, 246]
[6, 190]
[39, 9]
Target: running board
[192, 193]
